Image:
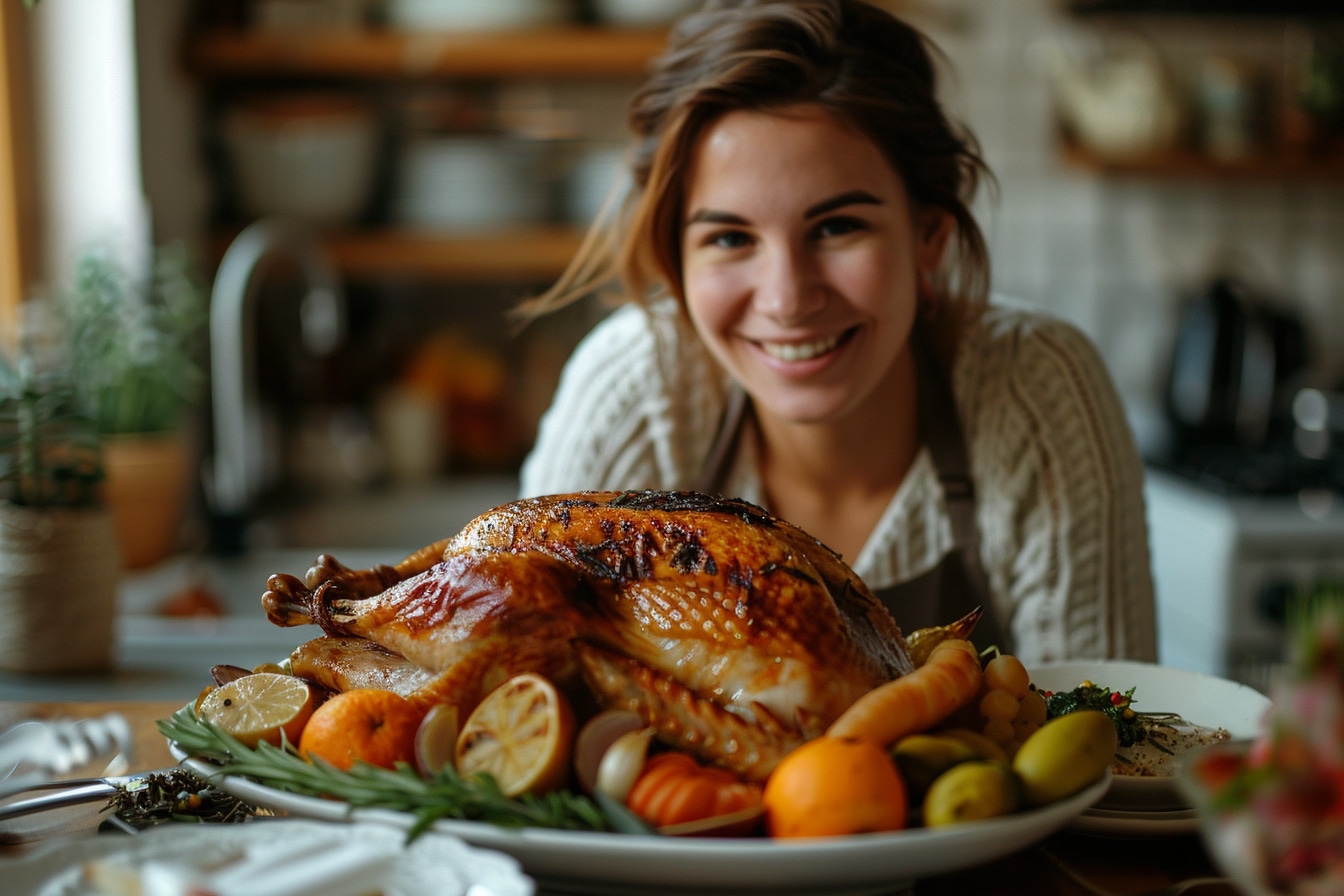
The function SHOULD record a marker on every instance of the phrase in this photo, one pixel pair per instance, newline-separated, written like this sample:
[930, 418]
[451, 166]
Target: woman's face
[800, 261]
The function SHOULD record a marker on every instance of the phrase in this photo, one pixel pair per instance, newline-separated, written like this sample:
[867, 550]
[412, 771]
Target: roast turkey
[733, 633]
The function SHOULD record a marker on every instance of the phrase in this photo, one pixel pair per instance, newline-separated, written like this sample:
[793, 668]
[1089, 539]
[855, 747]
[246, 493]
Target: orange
[522, 734]
[260, 707]
[362, 725]
[831, 786]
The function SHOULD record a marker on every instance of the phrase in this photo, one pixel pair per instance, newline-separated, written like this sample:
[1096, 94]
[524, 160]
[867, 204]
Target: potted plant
[57, 548]
[136, 355]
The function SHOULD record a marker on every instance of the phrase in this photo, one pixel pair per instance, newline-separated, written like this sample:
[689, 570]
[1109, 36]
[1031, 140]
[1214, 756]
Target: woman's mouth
[801, 351]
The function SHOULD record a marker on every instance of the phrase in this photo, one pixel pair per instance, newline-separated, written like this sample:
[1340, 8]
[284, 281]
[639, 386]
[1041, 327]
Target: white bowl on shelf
[306, 157]
[476, 15]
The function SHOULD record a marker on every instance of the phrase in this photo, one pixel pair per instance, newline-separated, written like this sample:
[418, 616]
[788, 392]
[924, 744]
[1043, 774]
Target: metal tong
[59, 794]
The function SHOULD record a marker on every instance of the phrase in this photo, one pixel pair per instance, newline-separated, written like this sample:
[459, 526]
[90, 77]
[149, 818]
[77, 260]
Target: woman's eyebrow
[853, 197]
[709, 216]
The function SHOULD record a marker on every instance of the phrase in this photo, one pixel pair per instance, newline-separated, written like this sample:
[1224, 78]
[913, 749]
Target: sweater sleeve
[635, 408]
[1061, 507]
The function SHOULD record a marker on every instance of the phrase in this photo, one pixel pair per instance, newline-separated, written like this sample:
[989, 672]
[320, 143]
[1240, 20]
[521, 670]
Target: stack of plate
[598, 174]
[643, 13]
[476, 15]
[472, 183]
[1154, 807]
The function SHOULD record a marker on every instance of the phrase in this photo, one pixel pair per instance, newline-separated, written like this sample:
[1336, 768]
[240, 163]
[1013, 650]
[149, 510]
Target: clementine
[831, 786]
[362, 725]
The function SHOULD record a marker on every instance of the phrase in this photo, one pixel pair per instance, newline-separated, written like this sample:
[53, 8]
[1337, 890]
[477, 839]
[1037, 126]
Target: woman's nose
[790, 287]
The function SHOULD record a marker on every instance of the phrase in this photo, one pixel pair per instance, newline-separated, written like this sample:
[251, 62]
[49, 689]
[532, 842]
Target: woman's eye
[729, 239]
[838, 226]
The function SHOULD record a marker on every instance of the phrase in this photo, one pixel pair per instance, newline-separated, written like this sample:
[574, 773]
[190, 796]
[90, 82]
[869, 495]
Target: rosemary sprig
[445, 795]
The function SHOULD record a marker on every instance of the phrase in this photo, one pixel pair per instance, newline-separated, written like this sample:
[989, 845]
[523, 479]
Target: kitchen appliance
[1234, 366]
[1227, 566]
[1246, 502]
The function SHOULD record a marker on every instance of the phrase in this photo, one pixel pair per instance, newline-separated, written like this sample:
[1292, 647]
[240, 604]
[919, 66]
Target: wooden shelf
[1184, 164]
[1313, 9]
[527, 254]
[568, 51]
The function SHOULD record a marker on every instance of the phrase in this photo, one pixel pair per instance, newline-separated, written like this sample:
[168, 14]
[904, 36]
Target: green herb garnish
[445, 795]
[177, 795]
[1131, 726]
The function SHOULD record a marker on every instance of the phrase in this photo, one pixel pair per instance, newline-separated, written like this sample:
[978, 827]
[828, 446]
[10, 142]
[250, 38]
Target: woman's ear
[934, 232]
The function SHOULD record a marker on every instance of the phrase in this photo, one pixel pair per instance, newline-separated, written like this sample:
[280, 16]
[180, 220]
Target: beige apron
[957, 584]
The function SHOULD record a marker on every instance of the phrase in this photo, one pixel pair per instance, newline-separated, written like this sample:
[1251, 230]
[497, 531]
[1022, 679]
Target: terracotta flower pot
[58, 593]
[148, 479]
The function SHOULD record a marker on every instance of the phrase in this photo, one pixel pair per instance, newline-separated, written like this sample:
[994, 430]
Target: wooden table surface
[1122, 867]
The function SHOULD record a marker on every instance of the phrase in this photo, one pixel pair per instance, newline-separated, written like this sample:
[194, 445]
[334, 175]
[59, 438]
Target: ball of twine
[59, 569]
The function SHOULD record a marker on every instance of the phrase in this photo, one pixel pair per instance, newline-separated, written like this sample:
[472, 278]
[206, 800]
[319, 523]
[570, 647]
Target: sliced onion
[595, 737]
[224, 673]
[742, 823]
[622, 763]
[436, 739]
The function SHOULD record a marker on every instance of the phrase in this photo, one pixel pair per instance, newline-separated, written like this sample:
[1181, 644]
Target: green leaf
[621, 818]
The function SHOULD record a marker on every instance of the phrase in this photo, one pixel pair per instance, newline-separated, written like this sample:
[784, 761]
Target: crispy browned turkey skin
[735, 634]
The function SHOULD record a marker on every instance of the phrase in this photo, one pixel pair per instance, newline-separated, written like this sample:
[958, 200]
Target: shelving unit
[226, 59]
[1187, 164]
[568, 52]
[1285, 26]
[527, 254]
[1314, 9]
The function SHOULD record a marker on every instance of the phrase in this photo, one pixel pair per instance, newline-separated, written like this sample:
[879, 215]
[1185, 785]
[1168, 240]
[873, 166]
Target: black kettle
[1233, 362]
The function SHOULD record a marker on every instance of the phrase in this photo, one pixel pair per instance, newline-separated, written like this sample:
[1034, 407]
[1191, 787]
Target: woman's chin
[800, 409]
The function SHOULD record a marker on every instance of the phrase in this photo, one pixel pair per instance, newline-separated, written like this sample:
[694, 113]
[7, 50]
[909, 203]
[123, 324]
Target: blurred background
[1170, 178]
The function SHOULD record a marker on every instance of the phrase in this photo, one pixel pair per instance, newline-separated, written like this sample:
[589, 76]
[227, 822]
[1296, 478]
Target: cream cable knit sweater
[1058, 480]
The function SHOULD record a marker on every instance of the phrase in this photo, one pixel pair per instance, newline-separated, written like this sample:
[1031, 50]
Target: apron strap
[967, 586]
[940, 428]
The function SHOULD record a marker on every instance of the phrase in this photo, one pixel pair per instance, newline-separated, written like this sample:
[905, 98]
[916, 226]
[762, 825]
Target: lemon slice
[522, 733]
[260, 707]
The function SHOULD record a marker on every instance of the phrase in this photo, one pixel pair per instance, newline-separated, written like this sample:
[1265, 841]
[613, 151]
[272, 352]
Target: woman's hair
[869, 69]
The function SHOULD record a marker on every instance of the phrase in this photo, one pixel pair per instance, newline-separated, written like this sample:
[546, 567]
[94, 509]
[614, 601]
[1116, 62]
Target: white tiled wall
[1115, 255]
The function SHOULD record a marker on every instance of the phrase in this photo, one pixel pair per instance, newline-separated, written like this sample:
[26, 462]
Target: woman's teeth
[799, 351]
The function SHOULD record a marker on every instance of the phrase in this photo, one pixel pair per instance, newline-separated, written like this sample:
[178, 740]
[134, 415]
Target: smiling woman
[809, 328]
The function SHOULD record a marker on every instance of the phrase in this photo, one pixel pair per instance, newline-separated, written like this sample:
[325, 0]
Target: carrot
[673, 788]
[915, 702]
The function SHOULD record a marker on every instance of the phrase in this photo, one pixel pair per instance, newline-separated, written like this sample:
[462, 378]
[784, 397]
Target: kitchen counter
[159, 657]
